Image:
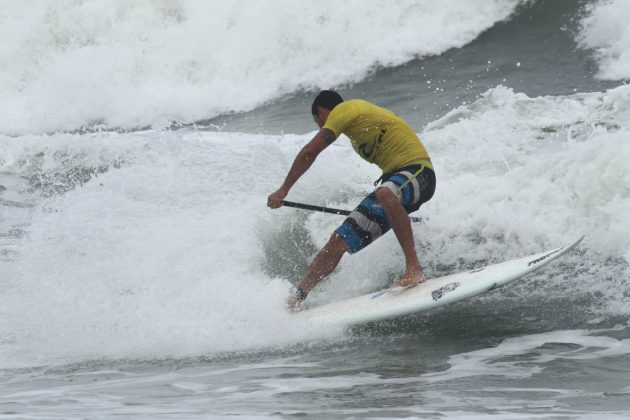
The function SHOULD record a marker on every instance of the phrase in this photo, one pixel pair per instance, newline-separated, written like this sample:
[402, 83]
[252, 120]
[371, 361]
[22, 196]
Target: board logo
[437, 294]
[544, 257]
[379, 294]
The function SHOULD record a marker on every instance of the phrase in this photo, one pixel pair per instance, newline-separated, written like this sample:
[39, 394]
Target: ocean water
[142, 275]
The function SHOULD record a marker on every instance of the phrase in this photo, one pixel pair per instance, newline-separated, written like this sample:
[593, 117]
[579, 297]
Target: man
[381, 137]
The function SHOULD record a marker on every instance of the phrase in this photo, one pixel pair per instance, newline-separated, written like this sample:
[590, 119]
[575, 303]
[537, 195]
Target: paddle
[328, 209]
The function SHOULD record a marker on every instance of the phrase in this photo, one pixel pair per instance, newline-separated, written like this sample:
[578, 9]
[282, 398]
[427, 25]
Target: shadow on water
[483, 318]
[68, 176]
[287, 249]
[55, 174]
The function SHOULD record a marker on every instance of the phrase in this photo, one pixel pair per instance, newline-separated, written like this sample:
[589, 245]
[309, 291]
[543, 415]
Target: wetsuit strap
[388, 174]
[409, 180]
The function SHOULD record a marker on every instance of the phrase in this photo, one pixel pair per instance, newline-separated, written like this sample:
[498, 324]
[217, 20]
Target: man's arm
[302, 162]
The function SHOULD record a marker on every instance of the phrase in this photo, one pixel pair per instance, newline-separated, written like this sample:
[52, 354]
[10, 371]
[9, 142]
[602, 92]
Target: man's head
[324, 102]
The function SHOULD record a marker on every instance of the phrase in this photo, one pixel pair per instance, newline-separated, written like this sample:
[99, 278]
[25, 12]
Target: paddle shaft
[327, 209]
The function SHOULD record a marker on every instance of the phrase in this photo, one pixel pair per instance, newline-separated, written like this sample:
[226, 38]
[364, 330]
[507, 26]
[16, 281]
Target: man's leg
[401, 225]
[324, 263]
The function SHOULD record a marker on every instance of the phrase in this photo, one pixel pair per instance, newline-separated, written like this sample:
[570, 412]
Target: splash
[167, 248]
[69, 65]
[605, 30]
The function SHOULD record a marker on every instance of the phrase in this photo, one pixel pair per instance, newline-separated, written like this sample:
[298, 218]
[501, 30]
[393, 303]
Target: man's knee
[386, 197]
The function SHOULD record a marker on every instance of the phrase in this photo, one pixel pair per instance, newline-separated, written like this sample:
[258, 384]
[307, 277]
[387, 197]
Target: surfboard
[398, 301]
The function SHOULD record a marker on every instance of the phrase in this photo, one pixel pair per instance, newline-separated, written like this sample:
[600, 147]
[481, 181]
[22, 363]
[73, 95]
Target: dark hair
[326, 99]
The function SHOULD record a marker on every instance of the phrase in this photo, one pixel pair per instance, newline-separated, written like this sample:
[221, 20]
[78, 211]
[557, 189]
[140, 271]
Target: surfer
[380, 137]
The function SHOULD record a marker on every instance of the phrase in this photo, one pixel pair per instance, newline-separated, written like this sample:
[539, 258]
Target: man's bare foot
[410, 279]
[296, 297]
[294, 304]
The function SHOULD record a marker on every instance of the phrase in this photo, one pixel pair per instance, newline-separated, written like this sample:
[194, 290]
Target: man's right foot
[408, 280]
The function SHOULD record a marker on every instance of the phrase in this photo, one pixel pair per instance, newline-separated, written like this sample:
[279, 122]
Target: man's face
[317, 120]
[321, 116]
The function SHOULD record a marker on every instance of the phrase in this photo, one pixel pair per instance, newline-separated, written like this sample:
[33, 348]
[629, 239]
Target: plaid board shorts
[414, 186]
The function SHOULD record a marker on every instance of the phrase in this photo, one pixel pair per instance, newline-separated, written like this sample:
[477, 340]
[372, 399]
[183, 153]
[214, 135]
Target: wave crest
[70, 64]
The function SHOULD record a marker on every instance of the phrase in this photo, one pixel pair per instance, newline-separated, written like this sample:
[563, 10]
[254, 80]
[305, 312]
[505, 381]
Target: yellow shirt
[377, 135]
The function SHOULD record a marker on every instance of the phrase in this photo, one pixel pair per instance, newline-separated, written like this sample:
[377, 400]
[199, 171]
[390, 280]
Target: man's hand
[301, 163]
[275, 200]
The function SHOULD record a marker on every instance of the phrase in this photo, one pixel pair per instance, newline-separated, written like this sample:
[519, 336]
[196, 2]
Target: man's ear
[323, 113]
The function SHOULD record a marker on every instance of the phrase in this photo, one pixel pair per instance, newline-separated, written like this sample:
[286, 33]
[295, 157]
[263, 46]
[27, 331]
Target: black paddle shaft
[327, 209]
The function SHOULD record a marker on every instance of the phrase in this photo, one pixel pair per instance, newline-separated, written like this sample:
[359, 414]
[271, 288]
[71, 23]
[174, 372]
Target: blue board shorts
[414, 185]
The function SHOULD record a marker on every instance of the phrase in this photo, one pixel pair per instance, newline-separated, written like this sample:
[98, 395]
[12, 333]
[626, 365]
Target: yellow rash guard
[378, 135]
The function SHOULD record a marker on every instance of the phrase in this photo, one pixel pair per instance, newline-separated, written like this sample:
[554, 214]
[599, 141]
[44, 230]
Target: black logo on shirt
[363, 150]
[369, 154]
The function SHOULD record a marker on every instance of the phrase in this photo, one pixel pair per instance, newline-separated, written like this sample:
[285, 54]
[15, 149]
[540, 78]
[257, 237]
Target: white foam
[541, 169]
[605, 30]
[157, 258]
[162, 255]
[69, 64]
[534, 172]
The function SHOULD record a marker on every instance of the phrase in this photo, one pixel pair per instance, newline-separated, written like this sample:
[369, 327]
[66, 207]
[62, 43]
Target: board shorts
[414, 185]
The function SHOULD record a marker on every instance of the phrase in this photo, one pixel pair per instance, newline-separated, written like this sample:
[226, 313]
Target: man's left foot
[296, 297]
[294, 304]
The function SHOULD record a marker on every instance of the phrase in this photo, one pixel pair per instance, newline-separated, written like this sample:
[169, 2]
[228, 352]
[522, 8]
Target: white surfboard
[397, 301]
